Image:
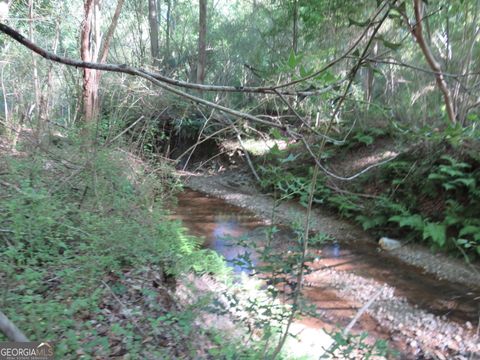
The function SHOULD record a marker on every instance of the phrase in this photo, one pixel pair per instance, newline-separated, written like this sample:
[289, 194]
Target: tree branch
[154, 78]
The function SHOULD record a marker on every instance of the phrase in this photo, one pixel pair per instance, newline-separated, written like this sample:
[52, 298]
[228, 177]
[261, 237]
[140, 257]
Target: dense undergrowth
[429, 193]
[88, 257]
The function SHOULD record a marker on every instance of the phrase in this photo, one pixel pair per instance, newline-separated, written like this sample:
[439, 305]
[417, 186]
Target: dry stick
[349, 178]
[126, 69]
[316, 171]
[12, 332]
[153, 77]
[247, 156]
[389, 61]
[125, 130]
[208, 160]
[361, 312]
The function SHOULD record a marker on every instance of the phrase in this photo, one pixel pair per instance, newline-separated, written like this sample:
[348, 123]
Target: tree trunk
[92, 51]
[47, 91]
[370, 77]
[202, 41]
[86, 48]
[153, 22]
[432, 62]
[295, 27]
[167, 34]
[31, 32]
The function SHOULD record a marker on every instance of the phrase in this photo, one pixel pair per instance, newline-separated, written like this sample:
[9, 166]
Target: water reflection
[226, 228]
[228, 239]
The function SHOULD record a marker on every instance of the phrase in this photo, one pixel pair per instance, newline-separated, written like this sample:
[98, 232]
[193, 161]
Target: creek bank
[426, 333]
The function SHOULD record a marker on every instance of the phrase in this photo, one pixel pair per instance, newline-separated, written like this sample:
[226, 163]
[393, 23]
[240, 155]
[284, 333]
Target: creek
[219, 222]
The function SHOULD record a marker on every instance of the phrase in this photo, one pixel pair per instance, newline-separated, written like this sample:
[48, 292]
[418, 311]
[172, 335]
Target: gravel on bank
[246, 196]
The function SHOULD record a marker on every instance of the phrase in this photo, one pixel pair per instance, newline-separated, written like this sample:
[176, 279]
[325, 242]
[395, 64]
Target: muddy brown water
[217, 222]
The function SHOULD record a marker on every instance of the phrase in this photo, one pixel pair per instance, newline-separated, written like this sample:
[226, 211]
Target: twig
[125, 130]
[360, 312]
[124, 307]
[349, 178]
[247, 156]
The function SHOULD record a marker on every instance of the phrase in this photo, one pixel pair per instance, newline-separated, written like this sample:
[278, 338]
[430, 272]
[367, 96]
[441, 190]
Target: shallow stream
[218, 222]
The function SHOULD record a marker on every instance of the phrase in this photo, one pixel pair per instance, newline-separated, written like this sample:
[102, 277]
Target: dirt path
[433, 318]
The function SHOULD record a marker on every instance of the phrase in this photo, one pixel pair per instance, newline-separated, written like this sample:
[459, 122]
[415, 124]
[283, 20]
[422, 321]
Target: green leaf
[394, 14]
[326, 77]
[292, 60]
[414, 221]
[369, 222]
[364, 138]
[436, 176]
[391, 45]
[448, 186]
[304, 72]
[437, 232]
[468, 182]
[276, 134]
[289, 158]
[469, 230]
[358, 23]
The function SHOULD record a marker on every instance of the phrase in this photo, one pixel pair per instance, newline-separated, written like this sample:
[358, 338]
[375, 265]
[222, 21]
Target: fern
[437, 232]
[413, 221]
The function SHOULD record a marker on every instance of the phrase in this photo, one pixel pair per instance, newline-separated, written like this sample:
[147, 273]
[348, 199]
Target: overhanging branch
[134, 71]
[125, 69]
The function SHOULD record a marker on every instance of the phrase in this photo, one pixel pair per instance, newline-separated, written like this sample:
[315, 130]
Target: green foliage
[449, 181]
[408, 182]
[61, 241]
[354, 346]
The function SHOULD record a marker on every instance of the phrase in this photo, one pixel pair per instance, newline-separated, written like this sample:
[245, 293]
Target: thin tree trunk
[86, 48]
[46, 93]
[34, 58]
[153, 22]
[202, 41]
[432, 62]
[159, 23]
[370, 77]
[295, 27]
[102, 58]
[167, 35]
[92, 51]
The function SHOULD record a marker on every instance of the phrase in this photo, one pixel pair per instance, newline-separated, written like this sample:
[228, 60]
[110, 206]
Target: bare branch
[131, 71]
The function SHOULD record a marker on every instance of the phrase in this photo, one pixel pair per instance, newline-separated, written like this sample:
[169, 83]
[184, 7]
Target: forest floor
[428, 303]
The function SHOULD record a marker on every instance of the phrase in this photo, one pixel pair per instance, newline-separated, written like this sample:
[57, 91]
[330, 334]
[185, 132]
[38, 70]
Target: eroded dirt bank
[432, 318]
